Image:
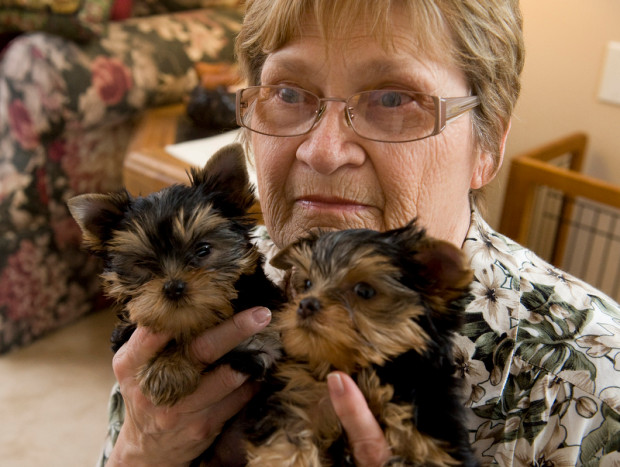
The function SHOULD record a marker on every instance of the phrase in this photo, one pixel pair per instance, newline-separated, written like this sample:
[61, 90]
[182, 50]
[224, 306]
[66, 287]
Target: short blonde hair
[484, 36]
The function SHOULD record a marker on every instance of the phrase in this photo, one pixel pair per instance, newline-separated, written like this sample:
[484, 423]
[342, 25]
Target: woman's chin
[299, 226]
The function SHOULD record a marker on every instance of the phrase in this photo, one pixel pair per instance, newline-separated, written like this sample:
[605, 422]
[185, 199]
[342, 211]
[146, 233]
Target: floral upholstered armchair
[67, 110]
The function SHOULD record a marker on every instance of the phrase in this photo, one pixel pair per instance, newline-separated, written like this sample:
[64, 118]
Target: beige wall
[566, 43]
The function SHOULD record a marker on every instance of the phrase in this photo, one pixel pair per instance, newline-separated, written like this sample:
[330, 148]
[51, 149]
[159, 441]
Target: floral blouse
[539, 355]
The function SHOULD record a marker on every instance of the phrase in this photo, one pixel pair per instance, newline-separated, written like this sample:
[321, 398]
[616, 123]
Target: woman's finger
[216, 342]
[214, 387]
[228, 406]
[141, 346]
[366, 439]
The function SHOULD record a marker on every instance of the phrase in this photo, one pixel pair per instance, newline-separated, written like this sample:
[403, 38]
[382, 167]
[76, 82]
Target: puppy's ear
[282, 259]
[443, 280]
[439, 267]
[444, 268]
[98, 215]
[298, 253]
[225, 176]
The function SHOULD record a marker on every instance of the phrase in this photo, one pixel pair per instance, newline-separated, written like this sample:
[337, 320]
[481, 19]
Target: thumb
[137, 351]
[369, 446]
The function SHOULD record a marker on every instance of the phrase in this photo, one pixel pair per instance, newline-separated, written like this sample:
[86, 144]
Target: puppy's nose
[308, 306]
[174, 289]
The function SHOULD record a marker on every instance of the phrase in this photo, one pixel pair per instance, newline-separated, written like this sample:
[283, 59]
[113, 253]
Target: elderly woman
[370, 114]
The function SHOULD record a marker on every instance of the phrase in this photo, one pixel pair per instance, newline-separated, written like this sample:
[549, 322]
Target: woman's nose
[332, 143]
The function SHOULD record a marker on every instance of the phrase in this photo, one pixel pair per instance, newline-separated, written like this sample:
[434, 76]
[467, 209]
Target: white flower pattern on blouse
[550, 344]
[539, 355]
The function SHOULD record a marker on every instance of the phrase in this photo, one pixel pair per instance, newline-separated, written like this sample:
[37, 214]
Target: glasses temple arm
[457, 106]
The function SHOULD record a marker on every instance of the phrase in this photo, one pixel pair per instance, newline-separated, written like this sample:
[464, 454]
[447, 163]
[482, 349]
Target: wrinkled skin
[333, 178]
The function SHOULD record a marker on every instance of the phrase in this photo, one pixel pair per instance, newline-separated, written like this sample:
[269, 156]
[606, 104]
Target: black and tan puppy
[381, 307]
[180, 261]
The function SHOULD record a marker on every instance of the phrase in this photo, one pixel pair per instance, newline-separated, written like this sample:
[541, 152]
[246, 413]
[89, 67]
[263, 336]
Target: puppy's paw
[249, 362]
[166, 380]
[255, 356]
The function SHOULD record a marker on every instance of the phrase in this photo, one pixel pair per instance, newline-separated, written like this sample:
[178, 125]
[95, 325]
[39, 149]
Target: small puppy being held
[383, 308]
[180, 261]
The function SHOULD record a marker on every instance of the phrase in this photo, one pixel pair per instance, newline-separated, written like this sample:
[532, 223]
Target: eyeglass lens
[386, 115]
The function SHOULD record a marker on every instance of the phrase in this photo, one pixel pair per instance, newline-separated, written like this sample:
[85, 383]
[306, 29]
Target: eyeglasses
[385, 115]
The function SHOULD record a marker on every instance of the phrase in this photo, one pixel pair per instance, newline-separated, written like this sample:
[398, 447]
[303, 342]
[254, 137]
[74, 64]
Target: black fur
[222, 188]
[426, 380]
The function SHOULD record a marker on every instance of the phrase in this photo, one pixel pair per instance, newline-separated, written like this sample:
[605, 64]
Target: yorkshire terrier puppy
[180, 261]
[381, 307]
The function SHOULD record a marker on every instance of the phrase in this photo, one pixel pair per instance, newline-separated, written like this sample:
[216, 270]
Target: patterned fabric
[74, 19]
[540, 358]
[154, 7]
[540, 355]
[66, 115]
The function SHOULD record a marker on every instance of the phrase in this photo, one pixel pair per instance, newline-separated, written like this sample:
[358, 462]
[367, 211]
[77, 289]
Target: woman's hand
[369, 446]
[174, 436]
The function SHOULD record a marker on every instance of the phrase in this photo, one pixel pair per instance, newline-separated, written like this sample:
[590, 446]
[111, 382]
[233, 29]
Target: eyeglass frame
[449, 109]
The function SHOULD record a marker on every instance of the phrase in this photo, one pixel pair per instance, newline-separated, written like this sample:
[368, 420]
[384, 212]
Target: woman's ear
[487, 165]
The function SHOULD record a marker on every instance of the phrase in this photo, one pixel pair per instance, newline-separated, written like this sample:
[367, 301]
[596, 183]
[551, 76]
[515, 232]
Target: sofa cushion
[74, 19]
[153, 7]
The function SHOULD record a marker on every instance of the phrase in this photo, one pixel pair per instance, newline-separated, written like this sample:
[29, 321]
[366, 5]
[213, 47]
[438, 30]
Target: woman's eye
[391, 99]
[291, 96]
[388, 99]
[396, 99]
[203, 249]
[364, 290]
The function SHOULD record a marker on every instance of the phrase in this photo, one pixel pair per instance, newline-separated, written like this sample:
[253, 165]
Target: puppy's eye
[203, 249]
[307, 285]
[364, 290]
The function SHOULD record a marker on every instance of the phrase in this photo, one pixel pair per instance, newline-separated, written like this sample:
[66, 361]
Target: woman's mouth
[330, 204]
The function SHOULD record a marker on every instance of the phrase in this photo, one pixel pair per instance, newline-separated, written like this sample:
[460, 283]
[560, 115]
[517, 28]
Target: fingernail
[261, 315]
[334, 383]
[240, 378]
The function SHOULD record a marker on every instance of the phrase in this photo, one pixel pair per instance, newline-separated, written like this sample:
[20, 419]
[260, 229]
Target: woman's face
[332, 178]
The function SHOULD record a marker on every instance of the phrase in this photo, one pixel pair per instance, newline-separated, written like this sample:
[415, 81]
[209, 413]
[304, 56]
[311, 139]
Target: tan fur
[312, 424]
[279, 450]
[401, 434]
[207, 301]
[199, 221]
[348, 310]
[360, 340]
[173, 260]
[170, 375]
[173, 374]
[131, 241]
[205, 304]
